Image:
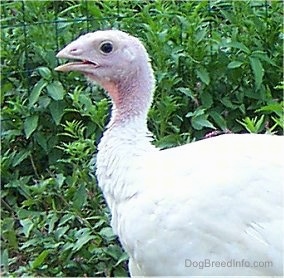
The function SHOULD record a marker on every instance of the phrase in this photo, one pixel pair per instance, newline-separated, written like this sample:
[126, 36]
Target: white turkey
[212, 207]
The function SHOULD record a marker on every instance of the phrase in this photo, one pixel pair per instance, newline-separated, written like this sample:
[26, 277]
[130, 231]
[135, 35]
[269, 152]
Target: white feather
[219, 199]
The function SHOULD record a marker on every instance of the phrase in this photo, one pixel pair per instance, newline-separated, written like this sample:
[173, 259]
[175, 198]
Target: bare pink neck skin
[132, 96]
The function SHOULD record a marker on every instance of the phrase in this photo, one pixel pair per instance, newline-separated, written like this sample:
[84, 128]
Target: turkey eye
[106, 47]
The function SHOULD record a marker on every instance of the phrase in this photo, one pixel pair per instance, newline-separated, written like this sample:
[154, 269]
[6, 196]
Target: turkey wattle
[212, 207]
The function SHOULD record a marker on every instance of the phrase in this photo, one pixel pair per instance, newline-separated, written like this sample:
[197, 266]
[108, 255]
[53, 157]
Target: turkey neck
[126, 138]
[131, 95]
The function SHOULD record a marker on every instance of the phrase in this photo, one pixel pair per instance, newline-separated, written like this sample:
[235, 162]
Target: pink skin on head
[124, 72]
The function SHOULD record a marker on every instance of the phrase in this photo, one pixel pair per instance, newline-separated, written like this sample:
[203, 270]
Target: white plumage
[213, 207]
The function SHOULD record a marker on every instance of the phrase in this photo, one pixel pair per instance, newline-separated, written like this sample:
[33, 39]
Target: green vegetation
[218, 66]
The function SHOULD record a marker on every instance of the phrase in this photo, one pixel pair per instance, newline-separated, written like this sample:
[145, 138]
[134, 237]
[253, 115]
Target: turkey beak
[75, 53]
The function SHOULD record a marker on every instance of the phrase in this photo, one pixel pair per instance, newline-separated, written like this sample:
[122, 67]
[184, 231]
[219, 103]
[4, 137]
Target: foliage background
[218, 66]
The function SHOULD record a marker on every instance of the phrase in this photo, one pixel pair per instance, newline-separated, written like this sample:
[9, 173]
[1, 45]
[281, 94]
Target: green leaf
[199, 119]
[56, 109]
[199, 111]
[234, 64]
[254, 125]
[114, 251]
[41, 139]
[107, 233]
[55, 90]
[219, 119]
[40, 259]
[186, 91]
[9, 232]
[23, 213]
[59, 232]
[60, 180]
[275, 107]
[83, 236]
[258, 71]
[279, 121]
[5, 259]
[80, 197]
[65, 218]
[202, 73]
[44, 72]
[124, 257]
[43, 102]
[51, 222]
[227, 102]
[20, 156]
[33, 98]
[27, 225]
[259, 123]
[32, 242]
[263, 56]
[238, 45]
[206, 99]
[30, 125]
[86, 101]
[200, 122]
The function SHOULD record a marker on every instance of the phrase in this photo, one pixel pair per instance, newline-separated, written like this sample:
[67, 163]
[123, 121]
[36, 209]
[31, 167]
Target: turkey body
[212, 207]
[184, 210]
